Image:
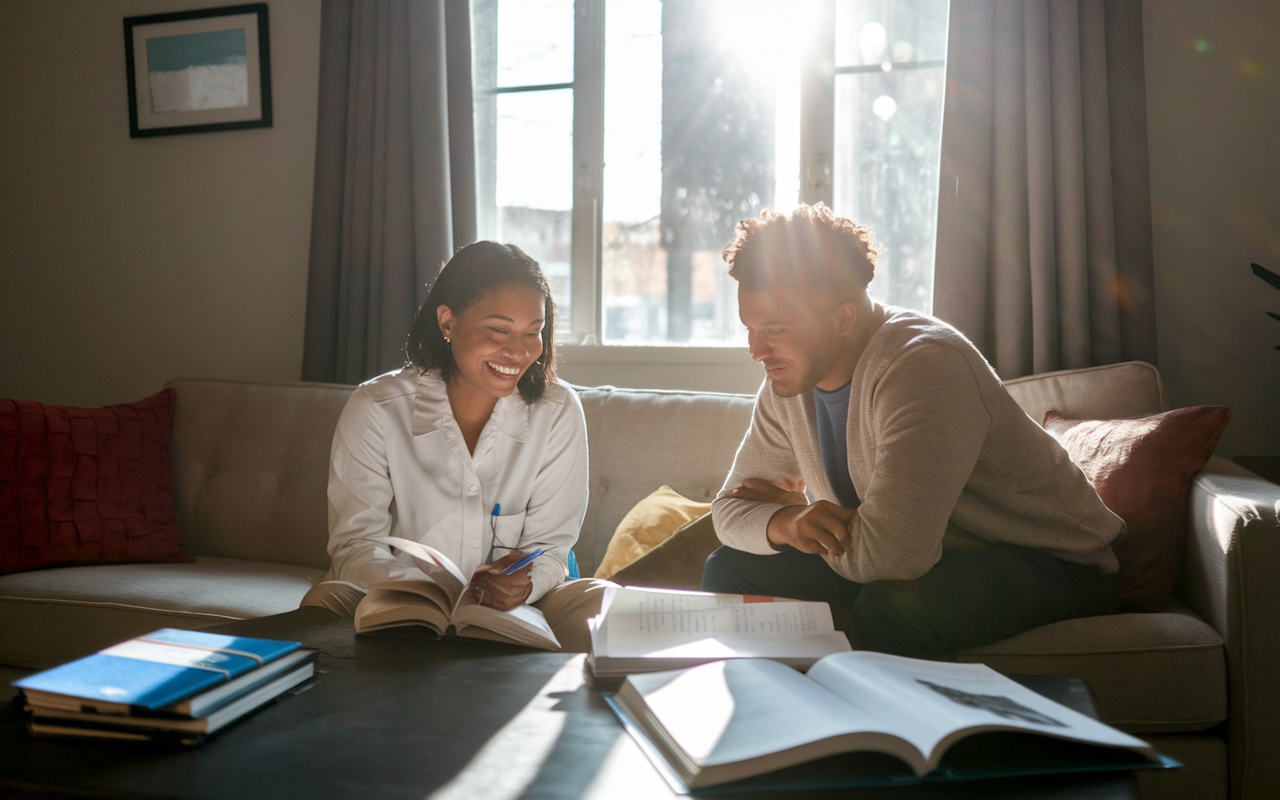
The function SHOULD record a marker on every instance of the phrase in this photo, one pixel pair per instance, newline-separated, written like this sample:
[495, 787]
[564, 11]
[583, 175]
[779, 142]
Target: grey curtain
[1044, 211]
[395, 176]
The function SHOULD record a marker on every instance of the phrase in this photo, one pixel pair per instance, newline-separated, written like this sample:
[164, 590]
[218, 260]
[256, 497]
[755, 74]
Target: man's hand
[503, 592]
[762, 491]
[820, 527]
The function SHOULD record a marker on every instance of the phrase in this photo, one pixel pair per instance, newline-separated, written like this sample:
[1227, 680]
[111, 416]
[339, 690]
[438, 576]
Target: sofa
[250, 464]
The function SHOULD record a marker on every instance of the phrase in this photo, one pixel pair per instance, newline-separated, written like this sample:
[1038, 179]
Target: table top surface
[409, 717]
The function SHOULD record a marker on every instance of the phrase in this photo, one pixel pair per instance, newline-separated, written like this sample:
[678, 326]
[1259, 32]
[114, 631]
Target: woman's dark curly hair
[474, 270]
[809, 248]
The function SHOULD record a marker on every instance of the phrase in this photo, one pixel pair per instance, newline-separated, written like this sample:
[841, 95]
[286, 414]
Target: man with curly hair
[886, 470]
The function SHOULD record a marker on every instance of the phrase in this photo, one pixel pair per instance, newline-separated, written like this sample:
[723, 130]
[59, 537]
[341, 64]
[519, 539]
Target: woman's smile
[506, 372]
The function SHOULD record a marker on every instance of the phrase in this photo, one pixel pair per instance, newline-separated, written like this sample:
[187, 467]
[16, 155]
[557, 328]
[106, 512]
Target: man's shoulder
[905, 329]
[912, 337]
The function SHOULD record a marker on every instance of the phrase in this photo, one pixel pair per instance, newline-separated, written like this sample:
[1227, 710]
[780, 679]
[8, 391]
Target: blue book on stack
[158, 669]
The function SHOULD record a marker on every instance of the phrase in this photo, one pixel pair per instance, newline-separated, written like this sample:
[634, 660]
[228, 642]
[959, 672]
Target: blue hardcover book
[160, 668]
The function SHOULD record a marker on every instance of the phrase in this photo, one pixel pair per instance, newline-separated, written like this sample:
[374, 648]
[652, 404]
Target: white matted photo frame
[197, 71]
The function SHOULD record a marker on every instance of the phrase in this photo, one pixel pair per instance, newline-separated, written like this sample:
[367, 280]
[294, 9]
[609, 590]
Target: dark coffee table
[411, 718]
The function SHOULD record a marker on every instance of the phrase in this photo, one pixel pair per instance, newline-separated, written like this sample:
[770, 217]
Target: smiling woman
[491, 276]
[473, 448]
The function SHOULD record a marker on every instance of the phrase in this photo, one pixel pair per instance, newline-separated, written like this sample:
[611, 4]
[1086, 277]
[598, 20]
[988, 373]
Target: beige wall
[1214, 130]
[126, 262]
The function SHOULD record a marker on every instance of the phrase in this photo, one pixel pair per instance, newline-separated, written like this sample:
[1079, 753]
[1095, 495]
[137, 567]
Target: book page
[796, 648]
[402, 602]
[434, 564]
[749, 709]
[631, 600]
[640, 621]
[523, 624]
[932, 703]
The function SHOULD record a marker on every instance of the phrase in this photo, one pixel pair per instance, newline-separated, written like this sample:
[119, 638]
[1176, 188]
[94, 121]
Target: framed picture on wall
[197, 71]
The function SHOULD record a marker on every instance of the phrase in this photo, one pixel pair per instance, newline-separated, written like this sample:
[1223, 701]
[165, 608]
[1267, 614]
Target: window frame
[817, 142]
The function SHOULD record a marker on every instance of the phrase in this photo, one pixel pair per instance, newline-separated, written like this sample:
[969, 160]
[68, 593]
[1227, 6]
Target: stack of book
[170, 686]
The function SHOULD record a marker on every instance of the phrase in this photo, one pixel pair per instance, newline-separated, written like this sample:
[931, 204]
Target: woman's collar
[431, 410]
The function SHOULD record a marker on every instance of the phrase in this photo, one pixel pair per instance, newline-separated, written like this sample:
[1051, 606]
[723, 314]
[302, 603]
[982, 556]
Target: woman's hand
[503, 592]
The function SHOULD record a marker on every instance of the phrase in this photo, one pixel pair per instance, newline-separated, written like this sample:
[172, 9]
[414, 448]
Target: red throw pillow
[1142, 469]
[86, 485]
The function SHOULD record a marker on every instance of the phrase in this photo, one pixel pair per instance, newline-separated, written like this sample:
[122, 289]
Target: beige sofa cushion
[55, 615]
[1148, 672]
[1113, 391]
[251, 468]
[639, 439]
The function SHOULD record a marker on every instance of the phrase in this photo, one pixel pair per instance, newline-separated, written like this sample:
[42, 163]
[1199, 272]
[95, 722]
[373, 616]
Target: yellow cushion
[676, 563]
[648, 524]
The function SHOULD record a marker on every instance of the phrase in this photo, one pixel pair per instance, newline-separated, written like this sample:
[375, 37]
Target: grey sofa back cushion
[1113, 391]
[640, 439]
[251, 466]
[251, 460]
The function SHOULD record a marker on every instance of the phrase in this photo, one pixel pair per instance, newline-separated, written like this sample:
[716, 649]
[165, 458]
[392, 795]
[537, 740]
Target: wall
[126, 262]
[1213, 120]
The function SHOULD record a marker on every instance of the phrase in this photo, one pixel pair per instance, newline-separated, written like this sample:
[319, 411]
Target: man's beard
[819, 366]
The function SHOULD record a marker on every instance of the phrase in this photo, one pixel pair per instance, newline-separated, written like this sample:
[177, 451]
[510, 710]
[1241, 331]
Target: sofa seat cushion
[1160, 672]
[51, 616]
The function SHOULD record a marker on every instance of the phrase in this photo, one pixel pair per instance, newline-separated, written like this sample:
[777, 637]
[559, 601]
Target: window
[620, 142]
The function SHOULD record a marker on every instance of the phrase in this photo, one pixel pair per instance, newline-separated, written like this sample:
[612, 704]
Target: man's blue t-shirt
[832, 411]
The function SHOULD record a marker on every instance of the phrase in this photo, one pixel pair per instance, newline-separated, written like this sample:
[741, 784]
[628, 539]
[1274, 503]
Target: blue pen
[493, 529]
[524, 561]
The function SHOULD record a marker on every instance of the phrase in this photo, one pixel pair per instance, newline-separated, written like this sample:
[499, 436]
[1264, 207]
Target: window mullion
[588, 169]
[484, 49]
[817, 109]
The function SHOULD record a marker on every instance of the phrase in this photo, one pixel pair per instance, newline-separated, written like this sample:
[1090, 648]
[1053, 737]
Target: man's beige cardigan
[941, 457]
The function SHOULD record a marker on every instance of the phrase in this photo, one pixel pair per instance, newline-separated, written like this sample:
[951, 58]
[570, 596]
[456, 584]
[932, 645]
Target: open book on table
[441, 598]
[862, 718]
[646, 630]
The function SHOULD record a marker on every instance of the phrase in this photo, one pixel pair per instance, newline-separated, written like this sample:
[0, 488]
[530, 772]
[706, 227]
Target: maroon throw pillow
[86, 485]
[1142, 469]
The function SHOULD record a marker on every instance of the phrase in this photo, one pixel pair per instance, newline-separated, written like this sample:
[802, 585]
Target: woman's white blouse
[400, 467]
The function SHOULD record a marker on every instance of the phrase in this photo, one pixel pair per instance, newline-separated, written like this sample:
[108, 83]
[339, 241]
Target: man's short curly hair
[809, 248]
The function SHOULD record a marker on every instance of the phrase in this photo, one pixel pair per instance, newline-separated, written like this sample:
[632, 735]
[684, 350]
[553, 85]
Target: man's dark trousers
[969, 598]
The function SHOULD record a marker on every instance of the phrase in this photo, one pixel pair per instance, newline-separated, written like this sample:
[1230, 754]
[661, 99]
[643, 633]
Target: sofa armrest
[1231, 578]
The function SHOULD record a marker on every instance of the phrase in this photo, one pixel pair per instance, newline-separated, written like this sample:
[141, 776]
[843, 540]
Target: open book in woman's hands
[440, 599]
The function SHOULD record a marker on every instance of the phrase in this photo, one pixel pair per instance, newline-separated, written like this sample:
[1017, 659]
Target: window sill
[652, 354]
